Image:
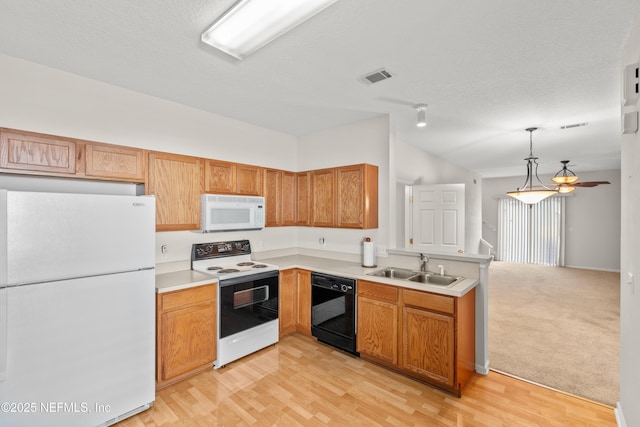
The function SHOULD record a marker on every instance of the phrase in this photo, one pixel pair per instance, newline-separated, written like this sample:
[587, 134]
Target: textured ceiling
[487, 69]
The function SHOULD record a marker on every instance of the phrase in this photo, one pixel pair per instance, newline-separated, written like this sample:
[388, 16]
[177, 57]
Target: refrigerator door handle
[4, 330]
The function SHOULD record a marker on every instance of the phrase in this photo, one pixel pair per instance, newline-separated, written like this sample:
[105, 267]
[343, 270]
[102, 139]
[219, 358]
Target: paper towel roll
[368, 254]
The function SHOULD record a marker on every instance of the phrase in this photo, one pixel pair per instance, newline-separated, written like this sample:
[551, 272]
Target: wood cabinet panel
[188, 340]
[323, 189]
[273, 197]
[428, 344]
[378, 291]
[304, 199]
[197, 295]
[176, 181]
[220, 177]
[248, 180]
[288, 201]
[357, 196]
[377, 334]
[37, 153]
[429, 301]
[288, 301]
[185, 333]
[108, 161]
[303, 320]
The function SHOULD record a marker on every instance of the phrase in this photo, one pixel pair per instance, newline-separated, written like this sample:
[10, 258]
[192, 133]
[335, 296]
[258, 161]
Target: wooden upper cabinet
[280, 197]
[220, 177]
[176, 181]
[273, 197]
[303, 199]
[323, 190]
[31, 152]
[357, 196]
[114, 162]
[248, 180]
[288, 201]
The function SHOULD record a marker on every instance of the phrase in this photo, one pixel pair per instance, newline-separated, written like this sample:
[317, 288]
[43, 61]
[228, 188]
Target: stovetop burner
[227, 260]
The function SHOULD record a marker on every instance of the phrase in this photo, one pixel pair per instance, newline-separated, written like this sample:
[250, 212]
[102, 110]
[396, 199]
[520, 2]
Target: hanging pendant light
[528, 193]
[564, 175]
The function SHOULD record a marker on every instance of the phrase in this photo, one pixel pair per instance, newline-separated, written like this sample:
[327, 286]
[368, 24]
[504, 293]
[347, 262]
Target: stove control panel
[200, 251]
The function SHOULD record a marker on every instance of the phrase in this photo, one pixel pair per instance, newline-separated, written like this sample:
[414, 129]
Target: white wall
[592, 219]
[628, 410]
[42, 99]
[365, 141]
[415, 166]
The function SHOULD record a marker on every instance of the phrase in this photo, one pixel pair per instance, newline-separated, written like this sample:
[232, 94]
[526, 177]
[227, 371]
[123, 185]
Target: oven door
[247, 301]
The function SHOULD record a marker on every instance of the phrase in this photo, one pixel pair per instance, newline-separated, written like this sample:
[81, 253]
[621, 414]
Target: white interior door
[438, 218]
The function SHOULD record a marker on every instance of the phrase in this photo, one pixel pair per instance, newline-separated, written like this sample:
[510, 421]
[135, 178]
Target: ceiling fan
[568, 181]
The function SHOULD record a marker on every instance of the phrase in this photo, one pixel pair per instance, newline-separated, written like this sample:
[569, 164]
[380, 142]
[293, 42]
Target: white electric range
[247, 297]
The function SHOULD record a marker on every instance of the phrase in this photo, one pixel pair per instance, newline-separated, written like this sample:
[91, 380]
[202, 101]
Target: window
[531, 233]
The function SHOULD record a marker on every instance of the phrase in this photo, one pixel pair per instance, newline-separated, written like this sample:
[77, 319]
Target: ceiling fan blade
[589, 183]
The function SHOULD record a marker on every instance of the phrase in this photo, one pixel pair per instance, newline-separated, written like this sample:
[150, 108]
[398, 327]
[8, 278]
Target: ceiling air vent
[576, 125]
[376, 76]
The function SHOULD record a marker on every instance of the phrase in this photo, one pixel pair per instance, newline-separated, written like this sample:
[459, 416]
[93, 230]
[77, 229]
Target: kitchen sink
[417, 276]
[394, 273]
[434, 279]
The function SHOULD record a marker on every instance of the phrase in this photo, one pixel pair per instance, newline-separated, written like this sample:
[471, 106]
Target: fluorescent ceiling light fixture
[251, 24]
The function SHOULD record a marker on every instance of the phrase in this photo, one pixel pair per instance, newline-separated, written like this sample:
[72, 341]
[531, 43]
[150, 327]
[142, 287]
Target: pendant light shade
[528, 193]
[564, 176]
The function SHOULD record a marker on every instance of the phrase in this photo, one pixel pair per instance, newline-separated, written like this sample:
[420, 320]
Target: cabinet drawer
[442, 303]
[187, 297]
[378, 291]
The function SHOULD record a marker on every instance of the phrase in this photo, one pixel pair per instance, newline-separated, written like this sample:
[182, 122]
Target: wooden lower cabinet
[294, 300]
[287, 301]
[377, 336]
[430, 337]
[185, 333]
[303, 314]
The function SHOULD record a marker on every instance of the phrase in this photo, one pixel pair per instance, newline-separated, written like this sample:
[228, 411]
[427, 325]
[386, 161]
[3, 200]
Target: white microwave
[222, 212]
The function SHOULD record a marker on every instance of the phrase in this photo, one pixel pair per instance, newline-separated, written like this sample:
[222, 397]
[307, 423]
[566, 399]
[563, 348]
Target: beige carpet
[556, 326]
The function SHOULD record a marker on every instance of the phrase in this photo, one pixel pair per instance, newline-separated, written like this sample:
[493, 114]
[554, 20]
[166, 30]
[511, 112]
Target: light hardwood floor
[300, 382]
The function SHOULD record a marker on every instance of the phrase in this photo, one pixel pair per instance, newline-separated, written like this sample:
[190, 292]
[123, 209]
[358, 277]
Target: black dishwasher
[333, 311]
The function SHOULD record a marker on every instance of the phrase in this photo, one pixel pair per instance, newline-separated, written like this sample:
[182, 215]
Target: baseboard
[609, 270]
[620, 421]
[484, 370]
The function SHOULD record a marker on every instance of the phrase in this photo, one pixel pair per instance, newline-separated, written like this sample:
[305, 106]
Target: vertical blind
[531, 233]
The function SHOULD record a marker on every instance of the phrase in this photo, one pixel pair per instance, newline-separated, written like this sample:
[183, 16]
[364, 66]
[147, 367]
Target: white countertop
[356, 271]
[182, 279]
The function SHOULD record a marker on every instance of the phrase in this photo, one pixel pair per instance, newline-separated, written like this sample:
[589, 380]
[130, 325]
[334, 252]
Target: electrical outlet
[164, 250]
[381, 251]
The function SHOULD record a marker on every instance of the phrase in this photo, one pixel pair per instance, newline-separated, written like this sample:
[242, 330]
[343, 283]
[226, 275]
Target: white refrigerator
[77, 308]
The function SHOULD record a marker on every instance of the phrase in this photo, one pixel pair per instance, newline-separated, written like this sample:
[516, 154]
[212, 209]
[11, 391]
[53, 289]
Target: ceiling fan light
[564, 175]
[531, 197]
[564, 179]
[564, 188]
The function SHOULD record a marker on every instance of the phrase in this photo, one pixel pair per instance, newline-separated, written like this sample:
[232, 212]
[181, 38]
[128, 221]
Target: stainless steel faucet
[423, 262]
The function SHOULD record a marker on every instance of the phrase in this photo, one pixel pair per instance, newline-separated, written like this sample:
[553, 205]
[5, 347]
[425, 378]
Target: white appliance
[221, 212]
[247, 298]
[77, 308]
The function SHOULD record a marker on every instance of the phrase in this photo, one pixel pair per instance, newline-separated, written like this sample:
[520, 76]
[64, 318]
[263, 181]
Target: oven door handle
[248, 278]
